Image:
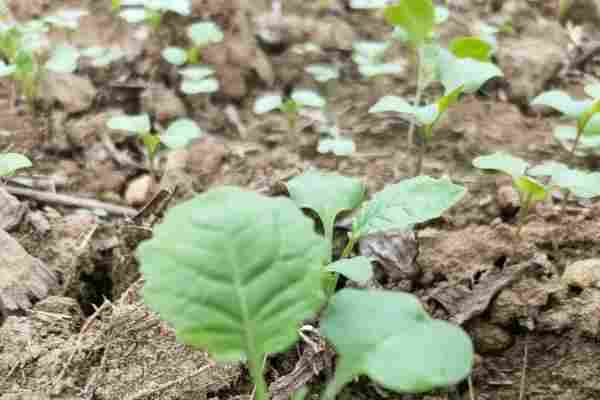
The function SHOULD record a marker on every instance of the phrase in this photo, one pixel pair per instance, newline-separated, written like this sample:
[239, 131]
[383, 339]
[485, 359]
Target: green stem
[571, 160]
[419, 94]
[255, 365]
[420, 154]
[523, 213]
[349, 246]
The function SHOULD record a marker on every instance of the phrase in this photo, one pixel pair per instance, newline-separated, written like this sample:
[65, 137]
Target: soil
[93, 338]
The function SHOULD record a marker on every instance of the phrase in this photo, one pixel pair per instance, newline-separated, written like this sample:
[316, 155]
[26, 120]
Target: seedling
[235, 273]
[584, 112]
[102, 56]
[299, 98]
[201, 34]
[150, 12]
[464, 68]
[198, 80]
[177, 135]
[579, 183]
[331, 141]
[18, 45]
[530, 190]
[368, 55]
[11, 163]
[398, 206]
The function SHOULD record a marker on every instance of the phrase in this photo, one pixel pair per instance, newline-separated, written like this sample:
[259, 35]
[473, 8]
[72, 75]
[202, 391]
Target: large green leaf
[407, 203]
[390, 337]
[502, 162]
[234, 272]
[415, 17]
[563, 103]
[358, 269]
[11, 162]
[327, 195]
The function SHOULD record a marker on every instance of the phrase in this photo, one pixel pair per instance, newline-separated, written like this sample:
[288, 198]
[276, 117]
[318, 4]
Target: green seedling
[19, 45]
[584, 112]
[198, 80]
[332, 141]
[530, 190]
[572, 181]
[463, 68]
[102, 56]
[398, 206]
[300, 98]
[150, 12]
[177, 135]
[201, 34]
[369, 57]
[239, 289]
[11, 163]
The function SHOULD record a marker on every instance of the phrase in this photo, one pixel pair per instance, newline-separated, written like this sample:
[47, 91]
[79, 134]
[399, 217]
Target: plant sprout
[12, 162]
[530, 190]
[150, 11]
[464, 68]
[177, 135]
[198, 80]
[259, 262]
[201, 34]
[368, 55]
[299, 99]
[331, 141]
[584, 112]
[102, 56]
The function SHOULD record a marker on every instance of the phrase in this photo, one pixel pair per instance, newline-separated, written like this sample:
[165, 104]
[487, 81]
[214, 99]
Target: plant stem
[255, 362]
[417, 101]
[523, 213]
[571, 159]
[349, 246]
[420, 155]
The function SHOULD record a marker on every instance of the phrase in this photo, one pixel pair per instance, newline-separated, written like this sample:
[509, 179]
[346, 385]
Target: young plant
[150, 12]
[579, 183]
[102, 56]
[464, 68]
[530, 190]
[12, 162]
[19, 46]
[235, 273]
[332, 141]
[300, 98]
[198, 80]
[583, 112]
[177, 135]
[398, 206]
[201, 34]
[369, 56]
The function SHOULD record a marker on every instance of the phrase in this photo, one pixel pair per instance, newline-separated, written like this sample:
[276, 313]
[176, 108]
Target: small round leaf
[11, 162]
[136, 124]
[308, 98]
[174, 55]
[197, 86]
[180, 133]
[203, 33]
[267, 103]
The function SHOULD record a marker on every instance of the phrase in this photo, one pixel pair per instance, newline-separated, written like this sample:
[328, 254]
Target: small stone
[141, 190]
[11, 210]
[163, 103]
[530, 61]
[583, 274]
[490, 338]
[39, 222]
[75, 93]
